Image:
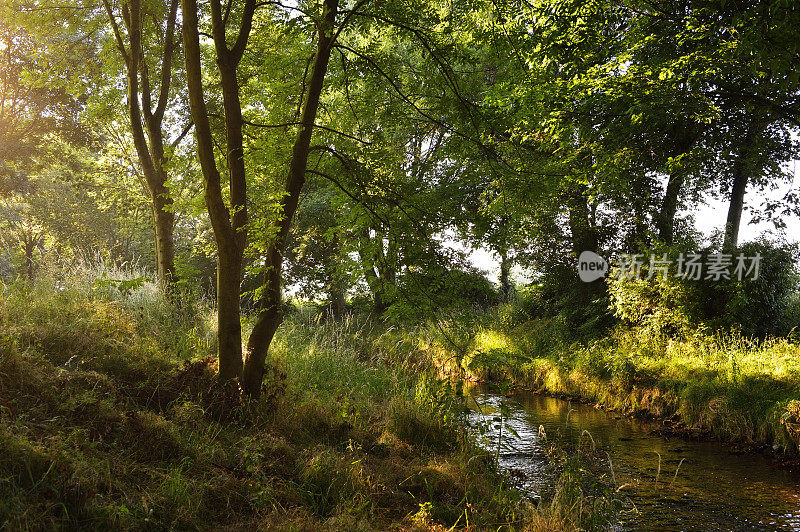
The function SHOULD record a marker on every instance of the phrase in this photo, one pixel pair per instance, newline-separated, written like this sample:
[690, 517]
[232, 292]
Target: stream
[714, 488]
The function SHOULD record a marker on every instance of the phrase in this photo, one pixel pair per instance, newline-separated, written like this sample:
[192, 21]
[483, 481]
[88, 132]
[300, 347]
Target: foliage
[673, 307]
[420, 294]
[323, 169]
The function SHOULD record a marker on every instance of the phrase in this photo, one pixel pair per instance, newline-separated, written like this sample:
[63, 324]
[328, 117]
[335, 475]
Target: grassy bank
[738, 389]
[110, 417]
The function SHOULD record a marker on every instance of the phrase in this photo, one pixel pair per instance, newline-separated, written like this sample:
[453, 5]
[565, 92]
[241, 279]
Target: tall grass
[740, 388]
[110, 418]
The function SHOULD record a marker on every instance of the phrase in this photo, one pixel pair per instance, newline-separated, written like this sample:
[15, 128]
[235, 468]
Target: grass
[736, 388]
[110, 417]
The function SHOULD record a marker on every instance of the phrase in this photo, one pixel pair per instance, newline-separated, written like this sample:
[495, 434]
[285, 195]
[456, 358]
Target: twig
[676, 472]
[659, 466]
[610, 463]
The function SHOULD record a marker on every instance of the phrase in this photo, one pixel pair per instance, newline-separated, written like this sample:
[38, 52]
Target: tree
[270, 313]
[147, 34]
[37, 87]
[314, 258]
[230, 224]
[66, 209]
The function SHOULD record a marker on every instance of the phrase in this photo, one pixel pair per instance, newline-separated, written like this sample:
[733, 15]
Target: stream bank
[668, 483]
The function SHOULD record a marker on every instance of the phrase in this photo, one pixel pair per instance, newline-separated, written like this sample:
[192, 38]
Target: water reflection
[700, 485]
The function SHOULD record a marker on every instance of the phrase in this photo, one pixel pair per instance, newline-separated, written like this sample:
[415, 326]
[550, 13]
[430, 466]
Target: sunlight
[370, 265]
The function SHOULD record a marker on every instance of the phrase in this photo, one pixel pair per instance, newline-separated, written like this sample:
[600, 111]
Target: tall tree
[230, 222]
[270, 314]
[147, 33]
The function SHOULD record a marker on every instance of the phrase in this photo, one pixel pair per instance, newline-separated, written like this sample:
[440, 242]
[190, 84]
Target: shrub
[660, 307]
[425, 293]
[673, 307]
[763, 306]
[524, 304]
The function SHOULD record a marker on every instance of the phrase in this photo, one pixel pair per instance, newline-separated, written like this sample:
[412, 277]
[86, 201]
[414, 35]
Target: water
[714, 489]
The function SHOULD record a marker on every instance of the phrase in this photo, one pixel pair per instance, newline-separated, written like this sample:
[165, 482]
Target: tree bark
[741, 172]
[338, 303]
[387, 270]
[738, 188]
[29, 248]
[373, 282]
[165, 240]
[229, 231]
[229, 327]
[669, 207]
[505, 270]
[270, 316]
[584, 237]
[377, 278]
[583, 234]
[152, 157]
[665, 224]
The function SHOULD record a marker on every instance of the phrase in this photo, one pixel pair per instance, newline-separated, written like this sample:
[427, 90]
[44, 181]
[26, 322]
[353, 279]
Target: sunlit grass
[109, 418]
[740, 388]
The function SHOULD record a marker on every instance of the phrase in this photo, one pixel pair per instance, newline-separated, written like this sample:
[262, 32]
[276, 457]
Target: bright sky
[712, 215]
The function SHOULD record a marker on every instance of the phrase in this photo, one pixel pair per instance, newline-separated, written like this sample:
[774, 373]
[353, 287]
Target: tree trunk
[376, 277]
[151, 157]
[583, 234]
[584, 237]
[375, 284]
[229, 328]
[740, 175]
[30, 263]
[505, 270]
[270, 317]
[229, 231]
[387, 273]
[736, 206]
[338, 304]
[665, 223]
[669, 208]
[164, 220]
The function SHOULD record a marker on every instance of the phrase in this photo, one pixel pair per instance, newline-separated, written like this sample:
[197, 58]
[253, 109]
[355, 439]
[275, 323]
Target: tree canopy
[356, 150]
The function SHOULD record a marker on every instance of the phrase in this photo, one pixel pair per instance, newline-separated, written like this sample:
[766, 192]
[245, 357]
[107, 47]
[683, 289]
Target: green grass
[739, 389]
[110, 417]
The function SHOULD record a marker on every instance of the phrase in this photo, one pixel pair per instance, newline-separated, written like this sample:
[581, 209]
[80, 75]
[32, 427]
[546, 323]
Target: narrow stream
[714, 489]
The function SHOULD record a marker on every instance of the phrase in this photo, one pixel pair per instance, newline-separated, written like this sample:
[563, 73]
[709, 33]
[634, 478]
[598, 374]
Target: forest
[399, 265]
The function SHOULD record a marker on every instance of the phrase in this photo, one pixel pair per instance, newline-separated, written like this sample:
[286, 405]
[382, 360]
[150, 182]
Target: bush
[659, 307]
[763, 306]
[582, 307]
[673, 307]
[421, 294]
[523, 304]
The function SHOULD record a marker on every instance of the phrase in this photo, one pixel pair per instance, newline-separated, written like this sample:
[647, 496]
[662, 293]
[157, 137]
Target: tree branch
[117, 35]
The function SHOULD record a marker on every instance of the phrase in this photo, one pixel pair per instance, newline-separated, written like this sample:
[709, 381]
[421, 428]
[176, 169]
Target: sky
[712, 215]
